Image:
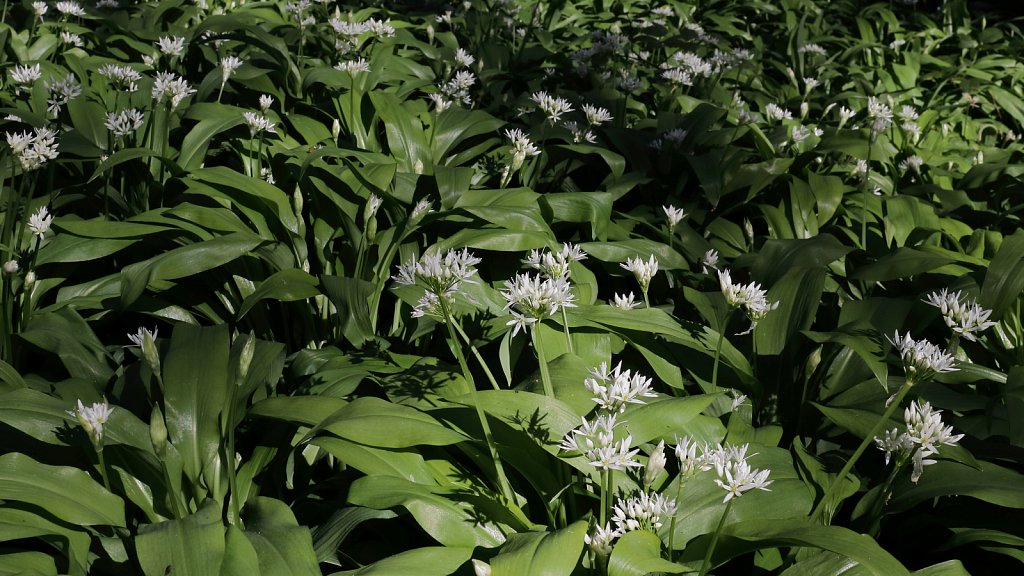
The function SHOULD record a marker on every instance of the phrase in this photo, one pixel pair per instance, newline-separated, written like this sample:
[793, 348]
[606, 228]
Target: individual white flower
[921, 359]
[172, 87]
[860, 169]
[614, 390]
[93, 418]
[122, 77]
[11, 267]
[441, 277]
[68, 8]
[125, 122]
[353, 67]
[596, 115]
[532, 298]
[25, 75]
[655, 464]
[258, 124]
[642, 512]
[913, 162]
[420, 210]
[61, 92]
[463, 58]
[600, 539]
[268, 175]
[845, 115]
[880, 115]
[138, 338]
[522, 147]
[674, 215]
[736, 294]
[552, 107]
[923, 438]
[737, 477]
[775, 112]
[40, 9]
[172, 46]
[39, 222]
[595, 440]
[266, 101]
[228, 66]
[710, 261]
[643, 271]
[555, 264]
[71, 38]
[580, 133]
[965, 318]
[625, 302]
[689, 461]
[812, 48]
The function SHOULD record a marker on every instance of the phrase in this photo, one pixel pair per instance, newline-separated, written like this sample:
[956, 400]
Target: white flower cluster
[258, 124]
[39, 222]
[522, 148]
[644, 271]
[441, 276]
[123, 123]
[925, 434]
[880, 114]
[60, 93]
[454, 90]
[555, 264]
[531, 299]
[552, 106]
[353, 67]
[750, 296]
[644, 511]
[615, 389]
[921, 358]
[773, 111]
[228, 66]
[172, 46]
[595, 440]
[33, 150]
[172, 87]
[23, 76]
[122, 77]
[624, 301]
[93, 418]
[965, 318]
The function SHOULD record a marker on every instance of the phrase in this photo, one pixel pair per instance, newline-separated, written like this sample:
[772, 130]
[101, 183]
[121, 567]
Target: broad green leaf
[377, 422]
[1004, 280]
[406, 138]
[189, 260]
[268, 199]
[190, 546]
[903, 263]
[327, 537]
[638, 553]
[756, 534]
[663, 418]
[452, 522]
[798, 293]
[196, 386]
[351, 298]
[214, 118]
[541, 553]
[47, 419]
[668, 259]
[283, 547]
[27, 564]
[308, 410]
[988, 482]
[429, 561]
[286, 285]
[455, 125]
[240, 557]
[70, 248]
[18, 524]
[67, 493]
[65, 334]
[378, 461]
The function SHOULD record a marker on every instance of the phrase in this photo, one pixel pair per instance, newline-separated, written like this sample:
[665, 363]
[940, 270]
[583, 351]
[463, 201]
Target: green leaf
[351, 298]
[377, 422]
[18, 524]
[663, 418]
[903, 263]
[541, 553]
[191, 546]
[406, 138]
[67, 493]
[27, 564]
[987, 482]
[268, 199]
[429, 561]
[196, 386]
[183, 262]
[327, 537]
[638, 553]
[758, 534]
[451, 522]
[286, 285]
[283, 547]
[69, 337]
[308, 410]
[1004, 279]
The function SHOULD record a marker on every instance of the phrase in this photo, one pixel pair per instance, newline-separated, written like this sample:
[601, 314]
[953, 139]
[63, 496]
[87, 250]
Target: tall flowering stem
[714, 539]
[542, 361]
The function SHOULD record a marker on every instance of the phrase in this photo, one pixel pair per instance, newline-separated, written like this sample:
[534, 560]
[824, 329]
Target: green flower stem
[718, 351]
[714, 539]
[565, 326]
[865, 197]
[606, 490]
[479, 358]
[954, 344]
[506, 489]
[896, 401]
[647, 303]
[672, 523]
[542, 360]
[103, 468]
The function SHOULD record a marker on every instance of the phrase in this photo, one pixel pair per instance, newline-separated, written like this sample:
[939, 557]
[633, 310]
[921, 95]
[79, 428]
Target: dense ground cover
[511, 288]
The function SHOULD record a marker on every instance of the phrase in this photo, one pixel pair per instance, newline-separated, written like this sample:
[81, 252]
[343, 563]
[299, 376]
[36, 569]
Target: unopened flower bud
[30, 278]
[158, 431]
[655, 464]
[10, 267]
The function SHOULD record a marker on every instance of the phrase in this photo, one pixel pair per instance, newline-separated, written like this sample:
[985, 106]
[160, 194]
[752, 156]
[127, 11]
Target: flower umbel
[925, 434]
[441, 276]
[921, 359]
[965, 318]
[92, 418]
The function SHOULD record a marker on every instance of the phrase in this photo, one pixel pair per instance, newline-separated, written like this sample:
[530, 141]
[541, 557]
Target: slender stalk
[542, 360]
[647, 303]
[565, 327]
[714, 539]
[449, 321]
[606, 490]
[103, 469]
[864, 198]
[718, 351]
[672, 523]
[820, 506]
[954, 344]
[479, 358]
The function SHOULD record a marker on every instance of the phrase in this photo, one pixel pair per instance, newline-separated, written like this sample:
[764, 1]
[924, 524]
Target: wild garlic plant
[965, 318]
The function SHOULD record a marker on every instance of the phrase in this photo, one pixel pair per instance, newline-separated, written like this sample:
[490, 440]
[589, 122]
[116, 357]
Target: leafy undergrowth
[515, 288]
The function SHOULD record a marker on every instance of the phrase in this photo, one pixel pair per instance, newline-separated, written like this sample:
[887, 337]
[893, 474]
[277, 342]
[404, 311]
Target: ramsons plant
[269, 268]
